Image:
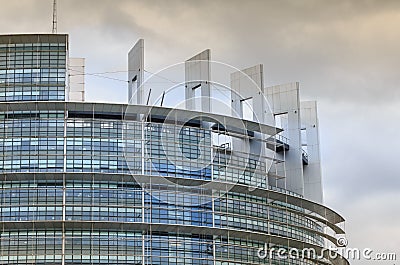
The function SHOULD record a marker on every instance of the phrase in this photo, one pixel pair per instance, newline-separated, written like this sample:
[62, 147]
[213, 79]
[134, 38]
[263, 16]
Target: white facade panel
[76, 90]
[136, 73]
[197, 78]
[312, 171]
[285, 101]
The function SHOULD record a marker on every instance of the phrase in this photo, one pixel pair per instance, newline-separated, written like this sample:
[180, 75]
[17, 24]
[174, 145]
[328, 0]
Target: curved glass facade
[69, 194]
[80, 183]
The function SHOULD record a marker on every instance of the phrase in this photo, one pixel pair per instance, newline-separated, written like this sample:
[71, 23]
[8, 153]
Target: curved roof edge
[124, 109]
[330, 215]
[334, 257]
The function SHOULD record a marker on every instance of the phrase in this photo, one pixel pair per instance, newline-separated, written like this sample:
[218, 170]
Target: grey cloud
[353, 44]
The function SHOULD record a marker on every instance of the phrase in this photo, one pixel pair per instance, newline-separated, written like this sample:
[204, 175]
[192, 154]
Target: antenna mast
[54, 17]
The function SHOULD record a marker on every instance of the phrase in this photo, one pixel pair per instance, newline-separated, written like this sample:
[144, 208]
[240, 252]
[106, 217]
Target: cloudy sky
[345, 54]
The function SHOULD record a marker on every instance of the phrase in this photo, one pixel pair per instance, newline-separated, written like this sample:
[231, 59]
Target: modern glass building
[100, 183]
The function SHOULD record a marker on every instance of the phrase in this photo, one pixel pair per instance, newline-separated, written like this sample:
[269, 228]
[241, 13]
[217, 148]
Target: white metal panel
[285, 99]
[312, 171]
[136, 73]
[197, 77]
[76, 79]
